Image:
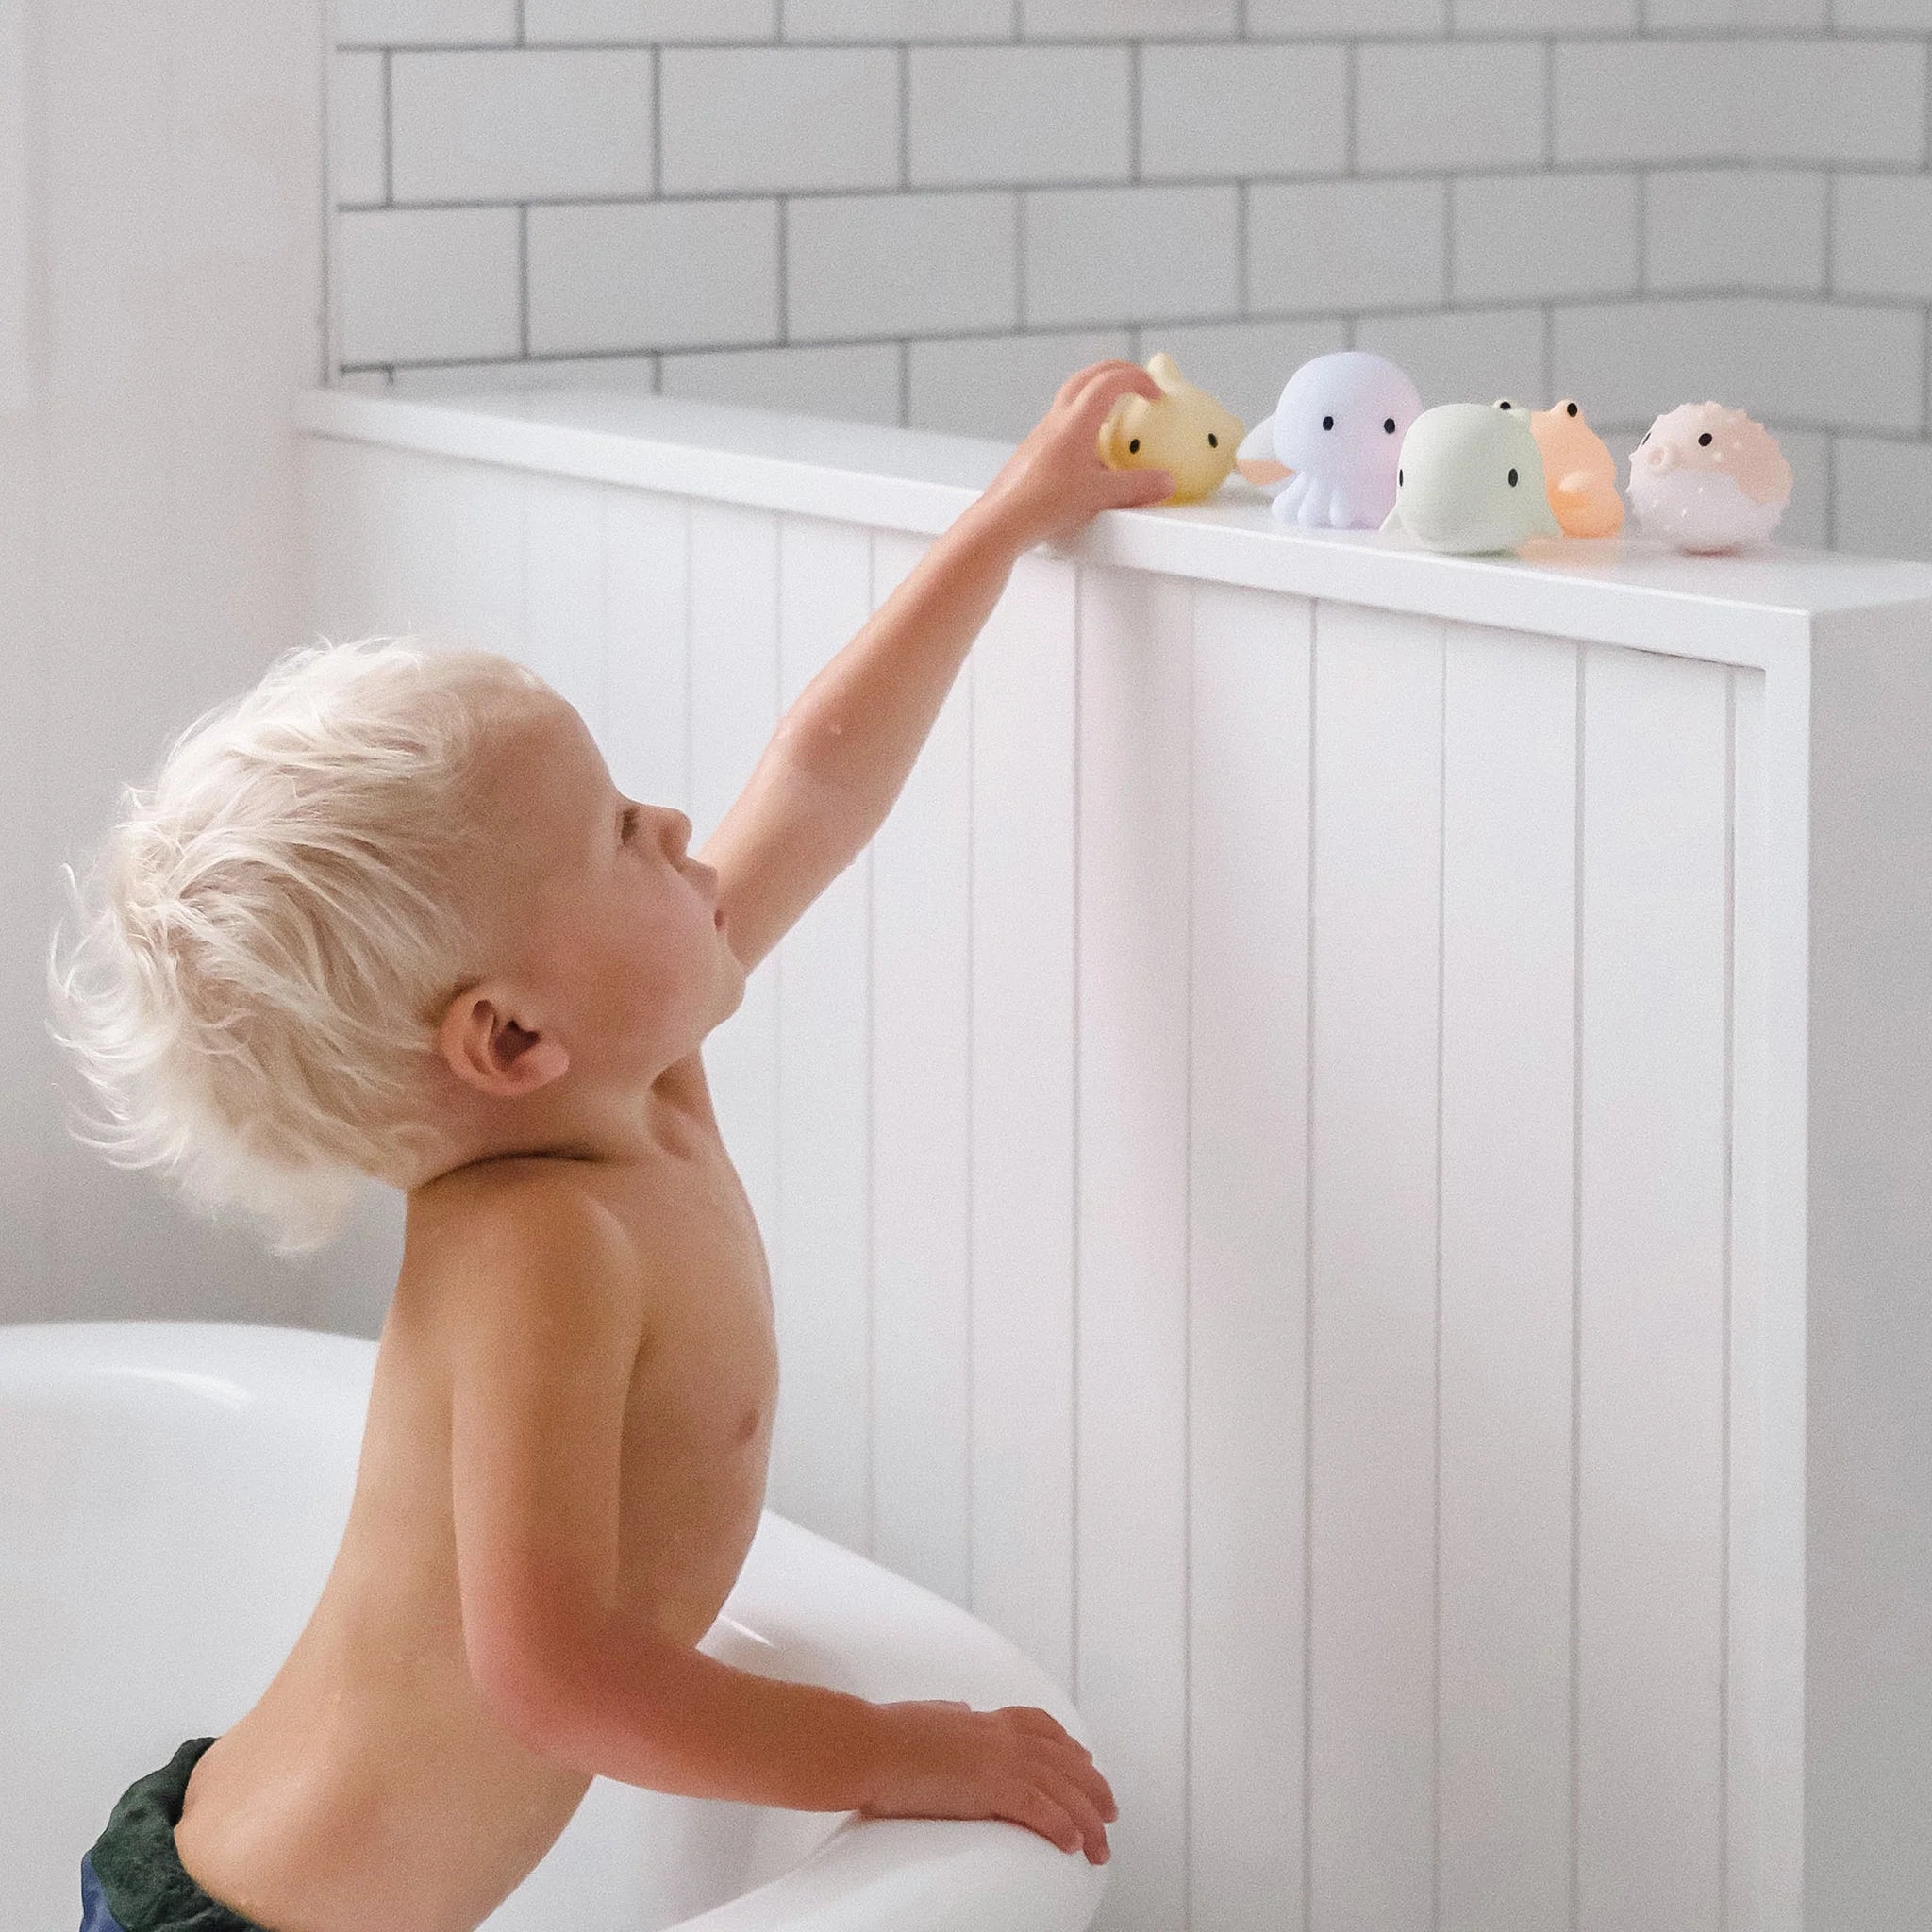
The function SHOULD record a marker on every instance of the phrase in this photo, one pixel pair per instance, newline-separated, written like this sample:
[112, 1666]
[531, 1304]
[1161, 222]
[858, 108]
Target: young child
[387, 915]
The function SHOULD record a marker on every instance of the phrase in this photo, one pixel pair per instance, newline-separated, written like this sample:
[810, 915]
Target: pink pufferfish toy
[1705, 477]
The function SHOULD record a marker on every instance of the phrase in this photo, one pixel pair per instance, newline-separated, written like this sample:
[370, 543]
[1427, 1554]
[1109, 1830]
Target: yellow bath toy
[1581, 470]
[1187, 431]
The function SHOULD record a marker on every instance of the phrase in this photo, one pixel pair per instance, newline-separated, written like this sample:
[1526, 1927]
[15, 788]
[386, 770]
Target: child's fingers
[1072, 387]
[1136, 489]
[1104, 388]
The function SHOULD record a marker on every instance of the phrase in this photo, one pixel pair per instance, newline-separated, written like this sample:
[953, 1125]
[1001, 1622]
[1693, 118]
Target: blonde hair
[277, 924]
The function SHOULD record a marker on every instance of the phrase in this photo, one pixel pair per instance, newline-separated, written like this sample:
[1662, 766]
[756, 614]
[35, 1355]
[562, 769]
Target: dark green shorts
[133, 1879]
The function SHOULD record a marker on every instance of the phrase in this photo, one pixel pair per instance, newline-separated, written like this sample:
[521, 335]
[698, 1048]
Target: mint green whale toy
[1469, 478]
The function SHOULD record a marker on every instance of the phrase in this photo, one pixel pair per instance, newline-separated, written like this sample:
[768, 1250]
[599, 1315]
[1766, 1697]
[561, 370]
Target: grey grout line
[1925, 374]
[1549, 103]
[904, 117]
[1020, 260]
[1686, 299]
[1893, 37]
[1348, 109]
[1645, 193]
[1243, 293]
[784, 233]
[1830, 492]
[657, 121]
[880, 191]
[1830, 236]
[1926, 89]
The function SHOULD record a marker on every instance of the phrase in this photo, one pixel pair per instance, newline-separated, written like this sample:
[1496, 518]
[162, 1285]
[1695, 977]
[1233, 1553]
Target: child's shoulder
[491, 1220]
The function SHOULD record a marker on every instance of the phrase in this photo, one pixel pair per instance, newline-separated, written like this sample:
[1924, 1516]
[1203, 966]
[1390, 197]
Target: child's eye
[630, 822]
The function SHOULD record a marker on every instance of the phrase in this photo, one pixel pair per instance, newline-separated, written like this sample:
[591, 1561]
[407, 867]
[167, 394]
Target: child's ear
[485, 1045]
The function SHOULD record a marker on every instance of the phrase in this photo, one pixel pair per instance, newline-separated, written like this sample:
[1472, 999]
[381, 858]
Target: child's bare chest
[698, 1421]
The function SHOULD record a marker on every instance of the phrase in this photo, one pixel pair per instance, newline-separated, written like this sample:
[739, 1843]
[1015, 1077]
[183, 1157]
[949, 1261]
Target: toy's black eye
[1213, 440]
[1643, 439]
[1506, 404]
[1134, 447]
[1388, 424]
[1328, 421]
[1704, 440]
[1513, 479]
[1398, 479]
[1569, 408]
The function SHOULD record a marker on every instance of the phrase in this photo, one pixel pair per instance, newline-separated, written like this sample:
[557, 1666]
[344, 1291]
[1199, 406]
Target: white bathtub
[171, 1498]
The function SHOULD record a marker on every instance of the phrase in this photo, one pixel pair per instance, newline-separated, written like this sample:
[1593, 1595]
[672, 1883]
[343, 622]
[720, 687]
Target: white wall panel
[1378, 806]
[921, 1148]
[1508, 1093]
[1248, 1286]
[1023, 670]
[821, 1242]
[1652, 1269]
[1131, 1375]
[647, 668]
[734, 707]
[1265, 1164]
[405, 541]
[1761, 1892]
[563, 595]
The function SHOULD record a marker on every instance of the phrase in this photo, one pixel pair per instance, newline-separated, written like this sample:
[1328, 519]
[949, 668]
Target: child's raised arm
[841, 755]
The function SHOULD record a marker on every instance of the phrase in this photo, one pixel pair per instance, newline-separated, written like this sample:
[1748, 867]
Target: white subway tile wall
[930, 211]
[1063, 115]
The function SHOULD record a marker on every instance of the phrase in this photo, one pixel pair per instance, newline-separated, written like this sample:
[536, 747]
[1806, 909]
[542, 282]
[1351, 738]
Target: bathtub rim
[869, 1874]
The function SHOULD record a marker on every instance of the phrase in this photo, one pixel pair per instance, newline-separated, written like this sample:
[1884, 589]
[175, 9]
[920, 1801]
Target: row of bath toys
[1350, 446]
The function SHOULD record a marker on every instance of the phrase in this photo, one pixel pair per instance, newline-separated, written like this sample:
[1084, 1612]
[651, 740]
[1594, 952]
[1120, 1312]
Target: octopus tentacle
[1291, 495]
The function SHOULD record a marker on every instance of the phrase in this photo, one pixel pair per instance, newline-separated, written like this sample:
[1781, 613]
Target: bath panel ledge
[1752, 608]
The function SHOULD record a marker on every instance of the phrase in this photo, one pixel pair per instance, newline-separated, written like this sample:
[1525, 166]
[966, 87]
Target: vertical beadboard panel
[1247, 1246]
[1130, 1662]
[563, 595]
[922, 1287]
[1758, 1893]
[1378, 745]
[821, 1241]
[646, 619]
[1651, 1291]
[734, 707]
[1022, 1476]
[1509, 722]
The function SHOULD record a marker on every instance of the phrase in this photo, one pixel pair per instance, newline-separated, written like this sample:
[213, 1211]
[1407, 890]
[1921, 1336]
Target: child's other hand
[1018, 1764]
[1055, 481]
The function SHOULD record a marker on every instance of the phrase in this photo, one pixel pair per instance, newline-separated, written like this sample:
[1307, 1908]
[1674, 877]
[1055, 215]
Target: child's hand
[1017, 1763]
[1056, 480]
